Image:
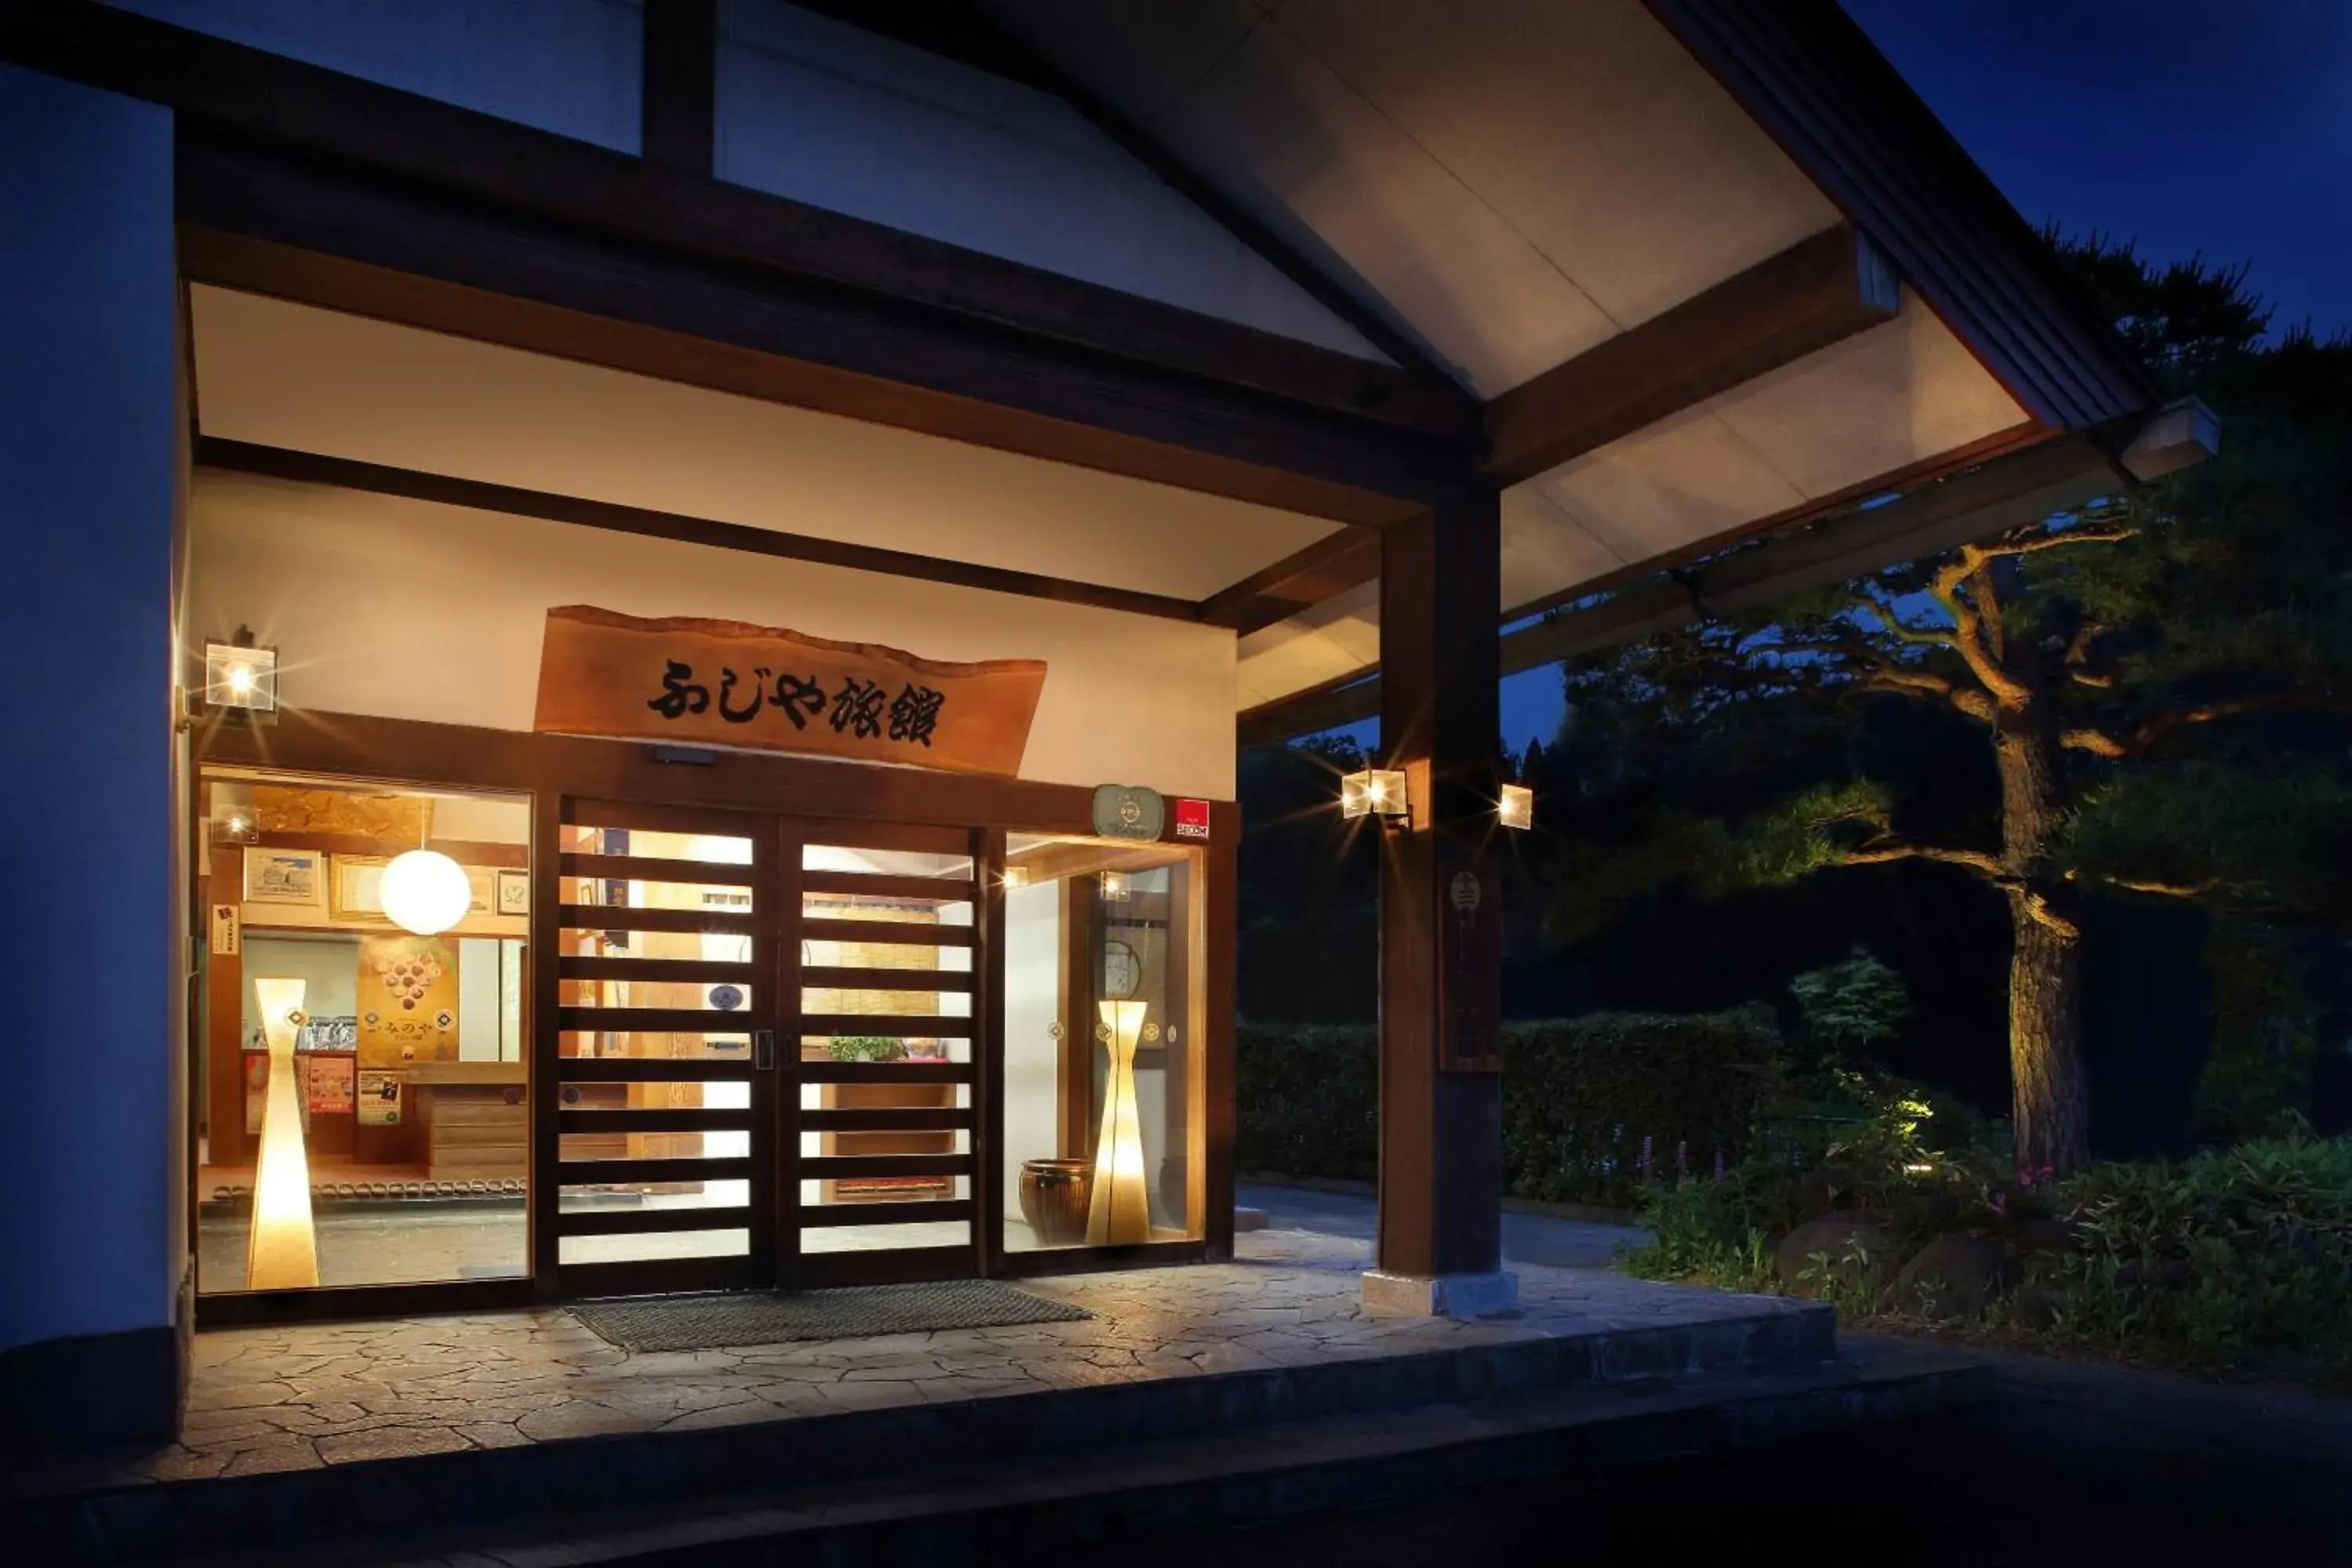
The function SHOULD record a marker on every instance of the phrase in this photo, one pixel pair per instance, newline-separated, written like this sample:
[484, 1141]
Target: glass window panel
[722, 1243]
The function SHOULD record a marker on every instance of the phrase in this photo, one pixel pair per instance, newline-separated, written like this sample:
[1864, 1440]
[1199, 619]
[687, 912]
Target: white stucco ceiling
[283, 375]
[1509, 181]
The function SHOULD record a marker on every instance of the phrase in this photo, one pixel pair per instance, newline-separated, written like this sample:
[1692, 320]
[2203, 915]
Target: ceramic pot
[1054, 1198]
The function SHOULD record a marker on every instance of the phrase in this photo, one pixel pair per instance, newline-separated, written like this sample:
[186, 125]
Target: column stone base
[1390, 1295]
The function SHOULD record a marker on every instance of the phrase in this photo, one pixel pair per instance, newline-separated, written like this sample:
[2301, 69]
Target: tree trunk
[2048, 1096]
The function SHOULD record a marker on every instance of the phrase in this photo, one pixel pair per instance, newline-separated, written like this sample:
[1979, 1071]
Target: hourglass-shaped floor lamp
[1120, 1211]
[281, 1251]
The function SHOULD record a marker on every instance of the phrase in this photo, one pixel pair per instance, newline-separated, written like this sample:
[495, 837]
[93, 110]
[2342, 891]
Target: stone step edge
[1009, 1511]
[132, 1523]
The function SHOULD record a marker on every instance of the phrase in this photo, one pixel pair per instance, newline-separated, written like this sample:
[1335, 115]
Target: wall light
[1119, 1210]
[426, 892]
[1016, 875]
[241, 677]
[1113, 887]
[281, 1251]
[1375, 792]
[1517, 806]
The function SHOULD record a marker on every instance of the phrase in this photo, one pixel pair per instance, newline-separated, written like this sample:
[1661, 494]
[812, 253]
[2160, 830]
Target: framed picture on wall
[291, 878]
[355, 891]
[514, 892]
[482, 882]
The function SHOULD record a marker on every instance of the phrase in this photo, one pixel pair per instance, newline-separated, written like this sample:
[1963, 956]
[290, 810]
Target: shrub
[1580, 1095]
[2235, 1254]
[1717, 1233]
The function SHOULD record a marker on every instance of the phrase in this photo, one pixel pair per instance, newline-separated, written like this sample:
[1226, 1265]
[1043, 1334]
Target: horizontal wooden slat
[884, 1072]
[836, 1167]
[912, 1212]
[910, 1025]
[882, 1265]
[908, 836]
[654, 1070]
[875, 885]
[654, 1120]
[690, 971]
[658, 869]
[889, 1118]
[835, 979]
[646, 817]
[654, 1020]
[910, 933]
[649, 1222]
[653, 1276]
[615, 917]
[607, 1173]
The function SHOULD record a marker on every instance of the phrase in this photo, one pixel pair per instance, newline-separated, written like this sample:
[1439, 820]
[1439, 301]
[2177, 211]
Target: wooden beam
[361, 134]
[678, 113]
[1332, 564]
[1811, 295]
[380, 479]
[2017, 489]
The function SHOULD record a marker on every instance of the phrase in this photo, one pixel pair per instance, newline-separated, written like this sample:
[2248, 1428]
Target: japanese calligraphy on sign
[727, 683]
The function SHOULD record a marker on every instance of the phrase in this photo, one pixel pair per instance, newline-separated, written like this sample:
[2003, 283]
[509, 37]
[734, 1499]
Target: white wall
[829, 114]
[328, 968]
[87, 449]
[572, 67]
[1032, 1058]
[412, 610]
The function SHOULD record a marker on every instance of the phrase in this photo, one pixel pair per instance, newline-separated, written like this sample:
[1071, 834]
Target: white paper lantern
[426, 892]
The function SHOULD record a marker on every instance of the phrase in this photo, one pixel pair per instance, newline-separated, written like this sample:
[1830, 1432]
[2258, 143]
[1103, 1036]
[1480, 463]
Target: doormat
[850, 1313]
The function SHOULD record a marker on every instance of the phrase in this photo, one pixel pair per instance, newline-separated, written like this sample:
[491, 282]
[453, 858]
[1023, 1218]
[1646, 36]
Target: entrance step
[1022, 1509]
[697, 1472]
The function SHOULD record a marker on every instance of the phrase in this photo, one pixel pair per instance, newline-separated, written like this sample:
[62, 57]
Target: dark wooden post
[1441, 1108]
[678, 111]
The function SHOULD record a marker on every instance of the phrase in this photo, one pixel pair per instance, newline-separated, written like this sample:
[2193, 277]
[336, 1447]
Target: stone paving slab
[456, 1412]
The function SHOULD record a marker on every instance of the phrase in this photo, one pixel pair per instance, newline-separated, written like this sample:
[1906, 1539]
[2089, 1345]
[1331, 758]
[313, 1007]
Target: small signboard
[327, 1084]
[225, 931]
[378, 1099]
[1129, 811]
[1469, 973]
[1192, 819]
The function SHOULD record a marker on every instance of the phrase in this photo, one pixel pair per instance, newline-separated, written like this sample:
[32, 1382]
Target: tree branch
[1968, 638]
[2033, 543]
[2099, 742]
[1985, 866]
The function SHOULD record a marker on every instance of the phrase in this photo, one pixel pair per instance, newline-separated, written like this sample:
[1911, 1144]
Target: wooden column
[678, 109]
[1440, 1127]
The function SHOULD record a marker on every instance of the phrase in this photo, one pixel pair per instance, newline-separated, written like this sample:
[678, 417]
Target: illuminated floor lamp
[281, 1251]
[1120, 1212]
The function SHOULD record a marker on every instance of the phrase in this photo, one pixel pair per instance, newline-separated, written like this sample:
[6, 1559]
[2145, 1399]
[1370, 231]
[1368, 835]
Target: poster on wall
[379, 1099]
[407, 1001]
[727, 683]
[327, 1084]
[295, 878]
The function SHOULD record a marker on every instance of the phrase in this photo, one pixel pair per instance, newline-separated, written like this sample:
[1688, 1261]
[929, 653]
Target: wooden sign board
[703, 682]
[1470, 964]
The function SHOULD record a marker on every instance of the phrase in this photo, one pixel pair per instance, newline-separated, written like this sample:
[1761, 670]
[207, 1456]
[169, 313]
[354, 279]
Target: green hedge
[1579, 1096]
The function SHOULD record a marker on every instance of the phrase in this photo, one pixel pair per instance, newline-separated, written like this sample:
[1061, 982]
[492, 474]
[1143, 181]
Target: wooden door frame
[421, 753]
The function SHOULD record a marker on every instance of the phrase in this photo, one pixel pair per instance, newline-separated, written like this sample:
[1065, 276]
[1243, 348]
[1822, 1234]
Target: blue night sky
[2185, 125]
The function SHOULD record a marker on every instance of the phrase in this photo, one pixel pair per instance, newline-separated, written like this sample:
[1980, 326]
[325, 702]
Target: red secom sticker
[1192, 819]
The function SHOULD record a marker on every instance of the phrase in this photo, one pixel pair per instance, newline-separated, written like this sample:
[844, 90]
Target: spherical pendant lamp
[426, 892]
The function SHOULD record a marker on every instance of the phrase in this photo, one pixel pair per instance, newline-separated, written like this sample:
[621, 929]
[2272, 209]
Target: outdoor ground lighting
[1517, 806]
[239, 676]
[426, 892]
[1375, 792]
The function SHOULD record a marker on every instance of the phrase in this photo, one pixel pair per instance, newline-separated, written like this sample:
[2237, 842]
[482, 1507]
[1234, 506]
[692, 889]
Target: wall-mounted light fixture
[1113, 887]
[1517, 806]
[239, 675]
[1375, 792]
[1016, 875]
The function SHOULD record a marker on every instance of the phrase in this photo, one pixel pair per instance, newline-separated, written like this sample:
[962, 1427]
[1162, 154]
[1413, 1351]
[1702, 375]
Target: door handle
[763, 1050]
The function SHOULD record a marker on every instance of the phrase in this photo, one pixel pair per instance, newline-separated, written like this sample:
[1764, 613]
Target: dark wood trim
[342, 1303]
[912, 1211]
[225, 455]
[1046, 1263]
[1332, 564]
[1807, 74]
[655, 1020]
[882, 885]
[902, 835]
[678, 117]
[226, 1141]
[1218, 1100]
[880, 1266]
[910, 1025]
[888, 1072]
[652, 1222]
[1073, 1108]
[988, 1090]
[835, 1168]
[887, 1119]
[2024, 482]
[782, 933]
[569, 1120]
[832, 977]
[653, 1069]
[606, 1173]
[905, 933]
[541, 1029]
[657, 868]
[617, 917]
[691, 970]
[1817, 292]
[652, 1276]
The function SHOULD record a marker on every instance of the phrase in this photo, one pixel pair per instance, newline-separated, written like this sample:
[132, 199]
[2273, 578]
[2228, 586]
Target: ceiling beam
[445, 490]
[678, 109]
[370, 132]
[1815, 293]
[2007, 492]
[1332, 564]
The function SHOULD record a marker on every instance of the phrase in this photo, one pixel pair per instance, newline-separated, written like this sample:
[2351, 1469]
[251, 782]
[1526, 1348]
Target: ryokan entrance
[760, 1033]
